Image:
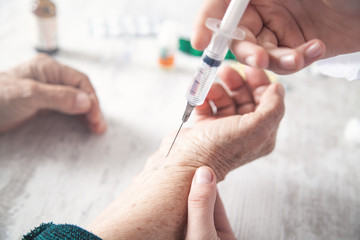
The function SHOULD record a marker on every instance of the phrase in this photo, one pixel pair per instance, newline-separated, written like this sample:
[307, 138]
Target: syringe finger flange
[214, 25]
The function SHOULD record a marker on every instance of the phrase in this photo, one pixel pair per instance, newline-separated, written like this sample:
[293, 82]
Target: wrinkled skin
[243, 129]
[44, 84]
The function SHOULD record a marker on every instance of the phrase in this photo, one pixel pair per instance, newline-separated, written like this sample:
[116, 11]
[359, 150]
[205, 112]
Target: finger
[249, 53]
[69, 100]
[252, 20]
[287, 60]
[265, 53]
[267, 38]
[271, 105]
[46, 69]
[201, 203]
[222, 101]
[221, 221]
[26, 70]
[216, 9]
[258, 92]
[246, 97]
[59, 98]
[94, 117]
[236, 84]
[201, 34]
[312, 51]
[204, 110]
[245, 108]
[231, 78]
[264, 121]
[256, 77]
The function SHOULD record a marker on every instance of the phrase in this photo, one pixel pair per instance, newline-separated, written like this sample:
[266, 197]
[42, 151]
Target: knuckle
[79, 78]
[40, 66]
[84, 78]
[43, 57]
[67, 98]
[29, 89]
[77, 74]
[64, 100]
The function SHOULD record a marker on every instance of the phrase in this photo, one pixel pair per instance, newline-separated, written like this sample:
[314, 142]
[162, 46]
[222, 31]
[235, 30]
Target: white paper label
[46, 29]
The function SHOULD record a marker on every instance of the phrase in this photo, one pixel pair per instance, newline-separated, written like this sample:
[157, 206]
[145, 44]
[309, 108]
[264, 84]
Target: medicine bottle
[45, 26]
[167, 39]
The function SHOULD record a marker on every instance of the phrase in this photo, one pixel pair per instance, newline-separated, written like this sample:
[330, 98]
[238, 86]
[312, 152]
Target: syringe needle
[174, 139]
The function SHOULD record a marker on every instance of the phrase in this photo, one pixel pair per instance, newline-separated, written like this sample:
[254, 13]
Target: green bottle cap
[185, 46]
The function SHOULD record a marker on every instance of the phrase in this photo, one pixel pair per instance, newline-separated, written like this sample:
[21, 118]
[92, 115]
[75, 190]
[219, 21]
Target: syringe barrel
[215, 53]
[202, 81]
[218, 47]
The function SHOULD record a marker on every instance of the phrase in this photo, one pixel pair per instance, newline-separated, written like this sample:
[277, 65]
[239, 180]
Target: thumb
[60, 98]
[201, 204]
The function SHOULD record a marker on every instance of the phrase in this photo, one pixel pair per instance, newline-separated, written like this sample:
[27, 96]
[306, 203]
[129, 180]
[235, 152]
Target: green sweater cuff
[47, 231]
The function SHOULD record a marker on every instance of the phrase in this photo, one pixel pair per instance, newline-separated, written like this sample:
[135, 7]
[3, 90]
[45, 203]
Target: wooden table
[53, 169]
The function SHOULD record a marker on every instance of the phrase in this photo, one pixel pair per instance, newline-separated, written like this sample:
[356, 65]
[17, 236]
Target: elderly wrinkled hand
[44, 84]
[242, 128]
[285, 36]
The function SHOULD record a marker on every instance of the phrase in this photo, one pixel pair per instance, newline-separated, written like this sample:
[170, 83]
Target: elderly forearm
[153, 207]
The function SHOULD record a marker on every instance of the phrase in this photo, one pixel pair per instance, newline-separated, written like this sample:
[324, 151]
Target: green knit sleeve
[47, 231]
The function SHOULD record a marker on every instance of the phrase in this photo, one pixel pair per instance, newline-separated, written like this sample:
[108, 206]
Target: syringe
[224, 32]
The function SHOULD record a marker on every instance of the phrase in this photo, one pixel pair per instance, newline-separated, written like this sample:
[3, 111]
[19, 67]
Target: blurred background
[52, 169]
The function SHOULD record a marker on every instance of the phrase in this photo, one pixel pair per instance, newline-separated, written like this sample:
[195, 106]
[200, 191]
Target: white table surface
[53, 169]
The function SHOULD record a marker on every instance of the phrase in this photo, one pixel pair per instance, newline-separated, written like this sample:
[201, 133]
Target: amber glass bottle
[45, 25]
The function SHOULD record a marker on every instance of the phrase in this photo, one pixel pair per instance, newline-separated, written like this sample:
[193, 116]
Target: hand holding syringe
[224, 32]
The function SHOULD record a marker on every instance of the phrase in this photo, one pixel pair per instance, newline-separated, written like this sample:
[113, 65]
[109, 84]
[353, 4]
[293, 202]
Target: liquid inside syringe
[199, 87]
[201, 84]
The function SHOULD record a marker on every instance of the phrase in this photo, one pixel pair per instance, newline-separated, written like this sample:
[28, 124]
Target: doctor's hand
[206, 214]
[285, 36]
[44, 84]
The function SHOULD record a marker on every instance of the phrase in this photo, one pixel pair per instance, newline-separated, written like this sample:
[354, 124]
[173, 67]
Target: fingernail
[314, 51]
[251, 61]
[288, 62]
[82, 101]
[203, 176]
